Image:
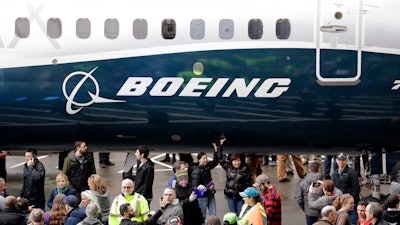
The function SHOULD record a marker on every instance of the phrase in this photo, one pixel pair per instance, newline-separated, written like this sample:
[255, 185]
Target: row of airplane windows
[140, 28]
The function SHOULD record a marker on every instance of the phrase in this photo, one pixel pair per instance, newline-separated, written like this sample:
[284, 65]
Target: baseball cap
[341, 155]
[260, 180]
[72, 201]
[249, 192]
[230, 217]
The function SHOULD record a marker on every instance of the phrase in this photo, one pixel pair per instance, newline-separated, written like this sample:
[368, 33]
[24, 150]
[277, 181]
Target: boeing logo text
[196, 87]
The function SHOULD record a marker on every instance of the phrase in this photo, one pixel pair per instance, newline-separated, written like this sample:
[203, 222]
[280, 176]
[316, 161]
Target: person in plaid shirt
[270, 200]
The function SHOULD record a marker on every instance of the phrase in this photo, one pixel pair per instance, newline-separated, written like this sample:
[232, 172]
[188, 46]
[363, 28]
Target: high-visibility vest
[139, 205]
[253, 216]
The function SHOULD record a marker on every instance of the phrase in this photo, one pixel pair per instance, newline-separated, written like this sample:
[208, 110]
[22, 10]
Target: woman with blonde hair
[62, 187]
[343, 204]
[99, 188]
[58, 212]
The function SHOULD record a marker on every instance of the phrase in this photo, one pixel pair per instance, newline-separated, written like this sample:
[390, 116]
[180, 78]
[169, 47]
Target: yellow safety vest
[251, 216]
[139, 205]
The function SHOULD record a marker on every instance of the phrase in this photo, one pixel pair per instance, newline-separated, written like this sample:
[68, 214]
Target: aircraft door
[338, 40]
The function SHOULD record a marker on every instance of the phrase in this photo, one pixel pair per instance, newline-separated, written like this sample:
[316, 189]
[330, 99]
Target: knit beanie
[394, 188]
[182, 174]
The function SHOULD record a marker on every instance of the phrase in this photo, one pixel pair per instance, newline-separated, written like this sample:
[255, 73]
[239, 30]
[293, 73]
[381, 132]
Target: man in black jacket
[11, 214]
[144, 173]
[346, 179]
[78, 166]
[34, 175]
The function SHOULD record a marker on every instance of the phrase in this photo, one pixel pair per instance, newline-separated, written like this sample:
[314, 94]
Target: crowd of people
[81, 196]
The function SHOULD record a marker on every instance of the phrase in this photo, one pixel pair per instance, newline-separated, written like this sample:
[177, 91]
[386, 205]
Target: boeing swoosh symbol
[95, 97]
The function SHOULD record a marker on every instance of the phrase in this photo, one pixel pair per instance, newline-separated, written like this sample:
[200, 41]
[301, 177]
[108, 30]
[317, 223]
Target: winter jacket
[191, 210]
[347, 182]
[12, 216]
[75, 216]
[342, 218]
[318, 201]
[104, 203]
[69, 191]
[236, 179]
[202, 174]
[33, 187]
[391, 216]
[144, 179]
[171, 209]
[78, 173]
[90, 221]
[302, 193]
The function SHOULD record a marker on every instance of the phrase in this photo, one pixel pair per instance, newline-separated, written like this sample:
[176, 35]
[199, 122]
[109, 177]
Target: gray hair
[375, 208]
[327, 210]
[36, 216]
[92, 210]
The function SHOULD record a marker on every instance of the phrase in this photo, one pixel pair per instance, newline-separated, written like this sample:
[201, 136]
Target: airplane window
[168, 29]
[22, 27]
[282, 29]
[255, 29]
[226, 29]
[140, 28]
[197, 29]
[54, 28]
[83, 28]
[111, 28]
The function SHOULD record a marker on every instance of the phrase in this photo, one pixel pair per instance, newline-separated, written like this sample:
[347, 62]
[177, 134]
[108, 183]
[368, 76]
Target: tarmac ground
[291, 212]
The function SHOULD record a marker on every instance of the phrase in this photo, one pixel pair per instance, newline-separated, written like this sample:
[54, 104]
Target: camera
[198, 192]
[316, 184]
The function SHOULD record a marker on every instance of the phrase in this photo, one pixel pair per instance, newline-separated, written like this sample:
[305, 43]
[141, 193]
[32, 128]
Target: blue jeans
[311, 219]
[328, 164]
[104, 157]
[208, 202]
[235, 205]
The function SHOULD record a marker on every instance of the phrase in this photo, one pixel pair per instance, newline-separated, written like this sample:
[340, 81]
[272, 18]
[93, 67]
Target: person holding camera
[34, 174]
[312, 177]
[171, 208]
[188, 199]
[201, 175]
